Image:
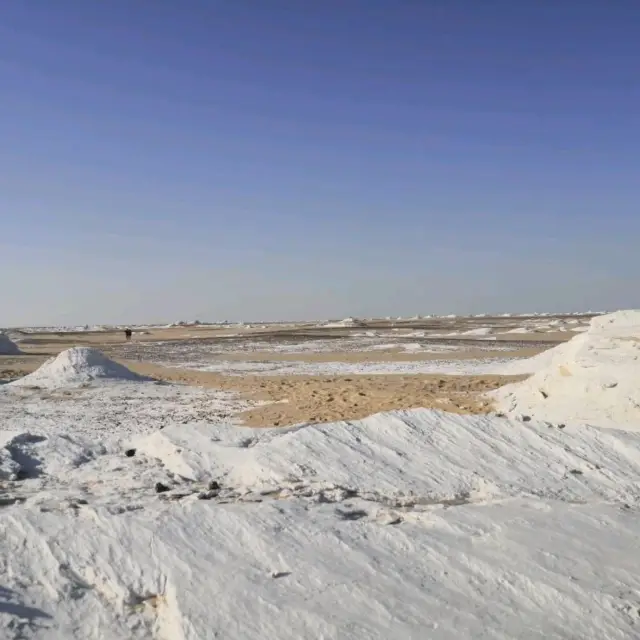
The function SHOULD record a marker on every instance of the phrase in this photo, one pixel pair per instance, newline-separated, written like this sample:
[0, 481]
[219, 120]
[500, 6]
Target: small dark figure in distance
[128, 333]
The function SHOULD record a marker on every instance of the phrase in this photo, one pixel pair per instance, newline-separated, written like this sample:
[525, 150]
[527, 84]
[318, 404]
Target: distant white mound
[183, 323]
[77, 366]
[519, 330]
[594, 378]
[347, 322]
[480, 331]
[8, 347]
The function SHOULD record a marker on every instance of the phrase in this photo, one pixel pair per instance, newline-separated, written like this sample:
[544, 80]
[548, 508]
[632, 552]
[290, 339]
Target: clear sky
[268, 159]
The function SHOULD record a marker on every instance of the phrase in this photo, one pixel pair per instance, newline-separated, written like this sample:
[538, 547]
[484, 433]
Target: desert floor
[310, 373]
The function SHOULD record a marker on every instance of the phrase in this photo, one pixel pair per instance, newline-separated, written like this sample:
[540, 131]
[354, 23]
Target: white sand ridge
[404, 525]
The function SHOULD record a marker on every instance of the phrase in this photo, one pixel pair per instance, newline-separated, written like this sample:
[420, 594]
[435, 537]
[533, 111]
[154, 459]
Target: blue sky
[254, 159]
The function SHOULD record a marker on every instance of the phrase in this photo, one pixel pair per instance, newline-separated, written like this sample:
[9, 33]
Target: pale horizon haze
[271, 160]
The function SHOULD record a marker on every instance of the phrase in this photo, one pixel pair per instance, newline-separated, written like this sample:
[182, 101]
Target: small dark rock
[576, 472]
[561, 426]
[161, 488]
[526, 418]
[7, 501]
[177, 496]
[356, 514]
[500, 415]
[130, 453]
[280, 574]
[207, 495]
[214, 485]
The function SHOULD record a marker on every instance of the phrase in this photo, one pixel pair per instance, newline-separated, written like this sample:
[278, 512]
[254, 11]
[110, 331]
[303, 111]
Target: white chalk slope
[594, 378]
[76, 366]
[411, 524]
[8, 347]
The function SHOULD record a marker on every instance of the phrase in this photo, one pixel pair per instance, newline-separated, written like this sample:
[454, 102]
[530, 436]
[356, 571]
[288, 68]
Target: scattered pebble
[208, 495]
[280, 574]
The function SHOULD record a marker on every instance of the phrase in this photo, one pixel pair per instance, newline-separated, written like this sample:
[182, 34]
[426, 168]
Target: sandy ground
[293, 399]
[298, 399]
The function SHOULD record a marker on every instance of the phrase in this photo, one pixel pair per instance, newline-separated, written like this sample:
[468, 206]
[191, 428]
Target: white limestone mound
[8, 347]
[183, 323]
[480, 331]
[519, 330]
[345, 323]
[77, 366]
[592, 379]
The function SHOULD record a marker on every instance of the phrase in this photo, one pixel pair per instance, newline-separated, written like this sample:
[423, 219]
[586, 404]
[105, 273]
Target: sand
[299, 399]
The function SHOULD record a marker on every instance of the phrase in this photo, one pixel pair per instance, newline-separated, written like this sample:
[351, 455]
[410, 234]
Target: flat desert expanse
[310, 372]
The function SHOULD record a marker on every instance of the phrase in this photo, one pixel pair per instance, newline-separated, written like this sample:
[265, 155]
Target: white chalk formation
[592, 379]
[76, 366]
